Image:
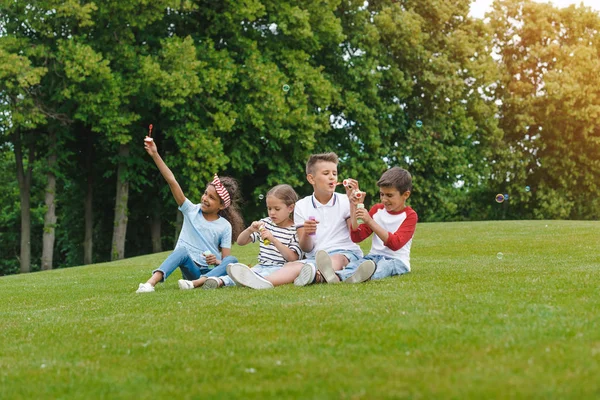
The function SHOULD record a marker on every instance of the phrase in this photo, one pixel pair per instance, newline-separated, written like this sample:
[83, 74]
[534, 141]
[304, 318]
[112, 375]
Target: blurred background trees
[472, 108]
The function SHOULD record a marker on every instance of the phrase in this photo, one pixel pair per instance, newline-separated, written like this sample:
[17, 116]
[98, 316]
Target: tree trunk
[89, 196]
[50, 200]
[120, 223]
[24, 179]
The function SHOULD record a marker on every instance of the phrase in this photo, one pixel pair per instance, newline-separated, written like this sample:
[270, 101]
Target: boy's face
[324, 177]
[392, 199]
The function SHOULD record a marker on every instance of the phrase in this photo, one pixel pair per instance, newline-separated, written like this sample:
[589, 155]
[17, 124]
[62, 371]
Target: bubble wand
[149, 137]
[265, 241]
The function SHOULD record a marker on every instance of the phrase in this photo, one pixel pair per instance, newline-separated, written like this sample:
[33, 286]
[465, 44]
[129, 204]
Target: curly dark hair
[232, 213]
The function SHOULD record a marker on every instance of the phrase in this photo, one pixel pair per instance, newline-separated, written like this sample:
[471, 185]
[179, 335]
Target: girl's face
[278, 211]
[211, 202]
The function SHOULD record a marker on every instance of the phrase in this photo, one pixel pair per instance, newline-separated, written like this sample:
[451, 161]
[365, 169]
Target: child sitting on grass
[393, 224]
[276, 233]
[205, 238]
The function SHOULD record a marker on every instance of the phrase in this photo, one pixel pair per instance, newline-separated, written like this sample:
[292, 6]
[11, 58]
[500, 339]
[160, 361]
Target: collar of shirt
[330, 203]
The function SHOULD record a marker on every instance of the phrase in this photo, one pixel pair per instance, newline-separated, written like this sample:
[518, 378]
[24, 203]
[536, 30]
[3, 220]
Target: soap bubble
[527, 188]
[419, 124]
[261, 196]
[506, 197]
[499, 256]
[499, 198]
[286, 88]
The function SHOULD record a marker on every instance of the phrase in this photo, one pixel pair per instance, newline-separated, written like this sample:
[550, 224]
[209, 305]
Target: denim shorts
[350, 256]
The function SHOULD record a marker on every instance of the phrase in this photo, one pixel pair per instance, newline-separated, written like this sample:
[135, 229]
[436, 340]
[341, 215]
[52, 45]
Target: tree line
[472, 108]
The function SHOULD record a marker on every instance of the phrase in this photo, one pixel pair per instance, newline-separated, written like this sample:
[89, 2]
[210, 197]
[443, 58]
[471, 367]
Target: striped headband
[221, 191]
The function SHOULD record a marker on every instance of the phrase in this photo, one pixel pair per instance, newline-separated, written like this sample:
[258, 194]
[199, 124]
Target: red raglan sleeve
[405, 231]
[363, 231]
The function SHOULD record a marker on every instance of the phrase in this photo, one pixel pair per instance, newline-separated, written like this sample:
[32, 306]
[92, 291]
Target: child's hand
[310, 226]
[351, 186]
[150, 146]
[266, 234]
[255, 226]
[211, 259]
[363, 213]
[356, 198]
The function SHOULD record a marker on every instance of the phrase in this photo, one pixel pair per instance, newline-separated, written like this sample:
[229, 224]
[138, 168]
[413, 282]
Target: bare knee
[338, 261]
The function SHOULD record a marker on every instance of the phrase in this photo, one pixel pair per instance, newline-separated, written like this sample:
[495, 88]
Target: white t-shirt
[332, 229]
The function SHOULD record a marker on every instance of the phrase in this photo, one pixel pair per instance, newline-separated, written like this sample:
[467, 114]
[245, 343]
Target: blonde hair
[285, 193]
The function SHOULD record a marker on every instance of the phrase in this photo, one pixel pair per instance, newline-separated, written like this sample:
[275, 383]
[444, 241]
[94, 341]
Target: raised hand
[150, 146]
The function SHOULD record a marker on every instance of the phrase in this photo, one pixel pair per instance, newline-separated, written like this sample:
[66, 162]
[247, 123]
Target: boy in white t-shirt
[323, 223]
[393, 224]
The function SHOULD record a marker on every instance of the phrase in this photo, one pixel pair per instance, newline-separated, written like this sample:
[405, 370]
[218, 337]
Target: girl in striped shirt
[276, 233]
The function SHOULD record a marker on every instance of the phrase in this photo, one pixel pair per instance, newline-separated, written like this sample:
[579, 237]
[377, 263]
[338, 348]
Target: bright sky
[480, 7]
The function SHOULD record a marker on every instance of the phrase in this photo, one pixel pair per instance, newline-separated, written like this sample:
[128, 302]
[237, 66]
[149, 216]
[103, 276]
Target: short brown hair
[315, 158]
[396, 177]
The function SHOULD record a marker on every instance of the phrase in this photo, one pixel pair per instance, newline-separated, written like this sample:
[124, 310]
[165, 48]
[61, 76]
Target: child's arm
[405, 232]
[394, 241]
[305, 239]
[244, 237]
[351, 190]
[151, 149]
[306, 228]
[212, 259]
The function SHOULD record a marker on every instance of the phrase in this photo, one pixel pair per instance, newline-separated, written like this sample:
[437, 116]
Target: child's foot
[243, 276]
[323, 262]
[364, 272]
[212, 283]
[185, 285]
[306, 276]
[145, 288]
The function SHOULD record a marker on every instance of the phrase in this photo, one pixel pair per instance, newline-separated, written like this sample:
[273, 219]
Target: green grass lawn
[464, 324]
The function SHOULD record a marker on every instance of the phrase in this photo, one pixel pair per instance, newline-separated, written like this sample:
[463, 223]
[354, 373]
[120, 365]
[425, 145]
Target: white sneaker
[185, 285]
[212, 283]
[306, 276]
[145, 288]
[363, 272]
[323, 262]
[243, 276]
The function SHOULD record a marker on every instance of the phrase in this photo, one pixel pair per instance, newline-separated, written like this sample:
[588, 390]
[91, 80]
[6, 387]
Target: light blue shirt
[198, 235]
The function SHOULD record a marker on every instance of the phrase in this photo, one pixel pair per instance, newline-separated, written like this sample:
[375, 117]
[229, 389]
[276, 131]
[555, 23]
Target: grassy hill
[491, 310]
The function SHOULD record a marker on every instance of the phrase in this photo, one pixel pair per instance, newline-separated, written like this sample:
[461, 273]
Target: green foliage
[550, 106]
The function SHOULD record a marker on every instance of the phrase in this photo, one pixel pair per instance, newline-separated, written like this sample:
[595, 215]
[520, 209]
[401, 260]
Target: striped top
[269, 255]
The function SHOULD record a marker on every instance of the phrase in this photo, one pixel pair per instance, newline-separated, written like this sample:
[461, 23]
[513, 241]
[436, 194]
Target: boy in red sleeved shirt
[393, 224]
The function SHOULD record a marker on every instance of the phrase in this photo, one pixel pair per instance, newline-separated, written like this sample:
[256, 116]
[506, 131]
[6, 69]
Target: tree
[550, 112]
[20, 117]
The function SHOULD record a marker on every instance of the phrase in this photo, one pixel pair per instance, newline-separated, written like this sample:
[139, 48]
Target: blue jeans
[189, 269]
[385, 267]
[260, 269]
